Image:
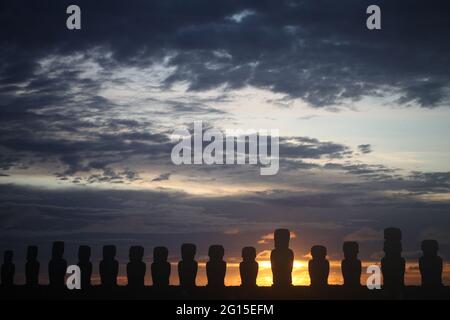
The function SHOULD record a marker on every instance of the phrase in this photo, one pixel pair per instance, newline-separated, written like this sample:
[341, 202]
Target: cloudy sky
[86, 118]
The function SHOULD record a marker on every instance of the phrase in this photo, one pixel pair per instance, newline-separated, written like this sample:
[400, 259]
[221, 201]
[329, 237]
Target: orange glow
[300, 275]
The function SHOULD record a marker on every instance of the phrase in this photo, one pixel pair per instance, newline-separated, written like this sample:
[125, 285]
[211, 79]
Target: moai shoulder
[84, 256]
[160, 267]
[430, 264]
[282, 259]
[32, 267]
[8, 269]
[318, 266]
[392, 264]
[109, 266]
[187, 267]
[136, 267]
[57, 266]
[248, 268]
[216, 266]
[351, 265]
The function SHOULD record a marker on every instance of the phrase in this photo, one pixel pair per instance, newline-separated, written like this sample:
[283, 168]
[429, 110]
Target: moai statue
[392, 264]
[282, 259]
[160, 267]
[351, 265]
[109, 267]
[187, 267]
[8, 269]
[216, 267]
[136, 268]
[57, 266]
[32, 267]
[248, 268]
[319, 267]
[84, 262]
[430, 264]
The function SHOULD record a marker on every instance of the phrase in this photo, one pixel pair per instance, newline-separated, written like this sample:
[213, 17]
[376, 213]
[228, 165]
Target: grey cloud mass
[316, 51]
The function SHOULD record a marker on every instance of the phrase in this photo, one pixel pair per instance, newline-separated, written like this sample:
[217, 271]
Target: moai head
[32, 253]
[351, 250]
[58, 250]
[248, 254]
[281, 237]
[216, 253]
[84, 253]
[392, 234]
[109, 252]
[318, 252]
[136, 253]
[188, 251]
[392, 248]
[430, 248]
[160, 254]
[8, 257]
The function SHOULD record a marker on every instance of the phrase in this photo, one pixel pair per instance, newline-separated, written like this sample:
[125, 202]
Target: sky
[87, 116]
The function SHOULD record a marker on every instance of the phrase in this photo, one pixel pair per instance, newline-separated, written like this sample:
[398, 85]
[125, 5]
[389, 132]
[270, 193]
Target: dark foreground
[228, 293]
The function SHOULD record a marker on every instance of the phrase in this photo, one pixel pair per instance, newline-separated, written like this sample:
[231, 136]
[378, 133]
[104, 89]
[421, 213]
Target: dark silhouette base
[431, 264]
[351, 265]
[188, 267]
[84, 255]
[160, 267]
[319, 267]
[216, 268]
[228, 293]
[282, 259]
[136, 268]
[57, 266]
[32, 267]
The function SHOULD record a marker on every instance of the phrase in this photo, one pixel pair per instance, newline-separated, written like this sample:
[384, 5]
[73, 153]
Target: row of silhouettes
[282, 260]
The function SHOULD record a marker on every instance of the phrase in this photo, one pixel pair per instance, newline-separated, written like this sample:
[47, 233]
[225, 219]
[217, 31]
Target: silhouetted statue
[57, 266]
[351, 265]
[282, 259]
[8, 269]
[84, 257]
[248, 268]
[109, 267]
[430, 264]
[187, 267]
[319, 267]
[216, 267]
[136, 268]
[392, 264]
[160, 267]
[32, 267]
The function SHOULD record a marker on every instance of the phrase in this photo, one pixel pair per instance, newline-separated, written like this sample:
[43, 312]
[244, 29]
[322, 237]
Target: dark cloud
[309, 148]
[322, 53]
[89, 215]
[6, 162]
[365, 234]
